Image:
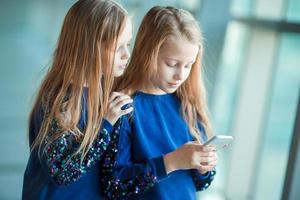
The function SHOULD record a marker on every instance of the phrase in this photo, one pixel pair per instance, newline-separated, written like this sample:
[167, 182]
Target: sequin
[203, 184]
[62, 166]
[122, 189]
[126, 189]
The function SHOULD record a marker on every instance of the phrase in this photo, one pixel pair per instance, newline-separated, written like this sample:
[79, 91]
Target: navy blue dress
[134, 166]
[54, 175]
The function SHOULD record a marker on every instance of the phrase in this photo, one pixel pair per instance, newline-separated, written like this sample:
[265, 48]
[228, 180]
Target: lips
[122, 66]
[173, 84]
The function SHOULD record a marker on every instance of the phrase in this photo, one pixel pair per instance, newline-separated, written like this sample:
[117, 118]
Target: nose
[179, 75]
[126, 54]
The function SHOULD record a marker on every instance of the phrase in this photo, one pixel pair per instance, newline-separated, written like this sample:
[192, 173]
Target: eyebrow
[129, 40]
[124, 42]
[179, 60]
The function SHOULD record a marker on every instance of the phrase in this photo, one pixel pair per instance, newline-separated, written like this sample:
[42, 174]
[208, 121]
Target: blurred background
[252, 65]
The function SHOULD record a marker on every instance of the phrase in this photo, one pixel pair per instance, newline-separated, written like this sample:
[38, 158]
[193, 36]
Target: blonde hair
[159, 24]
[83, 56]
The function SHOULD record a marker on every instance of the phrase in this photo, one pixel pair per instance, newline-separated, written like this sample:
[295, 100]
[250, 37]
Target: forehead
[126, 33]
[179, 48]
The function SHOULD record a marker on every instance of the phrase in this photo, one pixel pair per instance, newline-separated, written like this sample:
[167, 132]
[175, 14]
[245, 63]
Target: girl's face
[174, 64]
[122, 53]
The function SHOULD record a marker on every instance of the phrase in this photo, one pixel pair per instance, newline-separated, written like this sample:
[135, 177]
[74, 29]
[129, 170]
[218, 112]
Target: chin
[118, 74]
[169, 91]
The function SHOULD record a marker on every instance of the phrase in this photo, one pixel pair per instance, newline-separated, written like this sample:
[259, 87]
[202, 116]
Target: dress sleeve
[202, 182]
[57, 159]
[122, 177]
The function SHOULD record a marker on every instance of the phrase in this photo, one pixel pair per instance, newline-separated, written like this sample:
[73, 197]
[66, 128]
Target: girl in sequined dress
[159, 152]
[71, 123]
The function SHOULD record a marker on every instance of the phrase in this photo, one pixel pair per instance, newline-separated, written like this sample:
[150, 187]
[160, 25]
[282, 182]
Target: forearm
[124, 179]
[61, 162]
[133, 179]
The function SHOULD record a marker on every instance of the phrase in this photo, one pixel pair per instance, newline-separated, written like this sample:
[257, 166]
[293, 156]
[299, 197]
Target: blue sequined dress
[57, 175]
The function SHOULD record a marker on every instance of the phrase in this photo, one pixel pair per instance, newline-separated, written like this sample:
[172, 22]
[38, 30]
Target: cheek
[187, 73]
[117, 58]
[168, 73]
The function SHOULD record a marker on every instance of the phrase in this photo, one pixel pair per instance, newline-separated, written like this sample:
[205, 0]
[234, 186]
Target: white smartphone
[219, 141]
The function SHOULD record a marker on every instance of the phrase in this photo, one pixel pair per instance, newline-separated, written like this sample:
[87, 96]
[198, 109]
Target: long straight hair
[159, 24]
[83, 57]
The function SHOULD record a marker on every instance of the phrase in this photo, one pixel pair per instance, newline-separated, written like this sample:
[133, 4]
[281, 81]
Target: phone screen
[219, 141]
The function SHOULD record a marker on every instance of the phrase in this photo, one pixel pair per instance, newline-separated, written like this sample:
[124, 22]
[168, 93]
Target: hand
[116, 101]
[191, 155]
[209, 166]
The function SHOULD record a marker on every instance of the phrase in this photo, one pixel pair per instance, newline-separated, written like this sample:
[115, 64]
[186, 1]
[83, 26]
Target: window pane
[242, 7]
[191, 5]
[293, 13]
[269, 9]
[224, 99]
[279, 120]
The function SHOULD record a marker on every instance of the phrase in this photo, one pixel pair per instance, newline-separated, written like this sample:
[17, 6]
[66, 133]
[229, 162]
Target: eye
[188, 66]
[118, 48]
[171, 64]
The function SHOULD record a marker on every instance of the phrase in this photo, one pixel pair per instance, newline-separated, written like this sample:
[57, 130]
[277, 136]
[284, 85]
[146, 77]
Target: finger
[211, 167]
[204, 163]
[190, 143]
[198, 146]
[207, 160]
[195, 142]
[114, 95]
[119, 99]
[214, 159]
[203, 148]
[202, 172]
[126, 111]
[126, 106]
[203, 169]
[211, 160]
[212, 164]
[210, 155]
[204, 154]
[212, 148]
[209, 148]
[122, 103]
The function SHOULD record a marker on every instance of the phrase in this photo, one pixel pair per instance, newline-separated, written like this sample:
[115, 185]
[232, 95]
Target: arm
[121, 177]
[57, 157]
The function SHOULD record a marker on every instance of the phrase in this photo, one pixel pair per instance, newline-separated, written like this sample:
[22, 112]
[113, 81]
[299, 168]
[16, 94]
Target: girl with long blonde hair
[159, 152]
[71, 123]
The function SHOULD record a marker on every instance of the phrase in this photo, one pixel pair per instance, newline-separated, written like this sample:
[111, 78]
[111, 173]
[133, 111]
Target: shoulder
[137, 96]
[126, 121]
[35, 121]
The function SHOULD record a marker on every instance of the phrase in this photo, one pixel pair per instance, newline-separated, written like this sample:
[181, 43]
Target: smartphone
[219, 141]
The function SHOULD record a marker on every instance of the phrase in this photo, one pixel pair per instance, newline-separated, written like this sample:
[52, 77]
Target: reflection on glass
[189, 4]
[293, 12]
[224, 99]
[279, 120]
[269, 10]
[242, 7]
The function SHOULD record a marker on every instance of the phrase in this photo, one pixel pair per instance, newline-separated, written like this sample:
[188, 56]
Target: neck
[151, 89]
